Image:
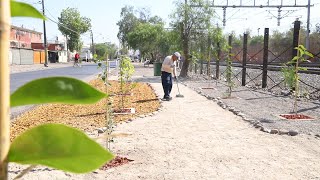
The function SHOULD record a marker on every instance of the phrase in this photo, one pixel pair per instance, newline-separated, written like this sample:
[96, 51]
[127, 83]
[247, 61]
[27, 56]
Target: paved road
[18, 79]
[83, 73]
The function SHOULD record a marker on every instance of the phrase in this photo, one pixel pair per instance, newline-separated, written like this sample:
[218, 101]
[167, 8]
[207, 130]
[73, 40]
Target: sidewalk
[37, 67]
[194, 138]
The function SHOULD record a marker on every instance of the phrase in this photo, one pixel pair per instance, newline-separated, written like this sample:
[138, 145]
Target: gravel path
[194, 138]
[264, 106]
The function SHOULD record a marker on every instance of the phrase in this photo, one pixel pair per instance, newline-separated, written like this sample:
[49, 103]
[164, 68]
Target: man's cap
[178, 55]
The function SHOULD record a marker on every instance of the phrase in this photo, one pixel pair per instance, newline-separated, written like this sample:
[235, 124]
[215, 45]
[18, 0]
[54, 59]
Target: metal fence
[260, 66]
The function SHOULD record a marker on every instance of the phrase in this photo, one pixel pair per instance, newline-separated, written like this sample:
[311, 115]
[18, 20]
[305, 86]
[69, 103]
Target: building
[22, 38]
[56, 50]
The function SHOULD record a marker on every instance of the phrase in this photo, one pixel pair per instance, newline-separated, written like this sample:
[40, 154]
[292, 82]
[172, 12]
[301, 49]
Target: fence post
[201, 67]
[195, 67]
[265, 58]
[296, 31]
[218, 62]
[209, 57]
[244, 59]
[229, 64]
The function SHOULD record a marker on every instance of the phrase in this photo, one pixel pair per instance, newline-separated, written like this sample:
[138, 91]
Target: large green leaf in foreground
[58, 146]
[55, 90]
[20, 9]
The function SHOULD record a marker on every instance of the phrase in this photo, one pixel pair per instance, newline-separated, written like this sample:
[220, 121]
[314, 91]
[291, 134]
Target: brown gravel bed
[88, 117]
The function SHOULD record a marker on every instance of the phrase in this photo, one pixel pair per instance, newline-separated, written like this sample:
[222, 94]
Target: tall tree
[188, 19]
[72, 24]
[104, 49]
[146, 37]
[127, 23]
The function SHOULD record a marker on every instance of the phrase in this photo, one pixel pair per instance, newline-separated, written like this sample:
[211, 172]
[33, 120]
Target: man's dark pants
[166, 79]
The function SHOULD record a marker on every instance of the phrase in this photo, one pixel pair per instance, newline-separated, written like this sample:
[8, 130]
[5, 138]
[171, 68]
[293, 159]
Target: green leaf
[302, 47]
[58, 146]
[309, 54]
[20, 9]
[295, 58]
[55, 90]
[302, 69]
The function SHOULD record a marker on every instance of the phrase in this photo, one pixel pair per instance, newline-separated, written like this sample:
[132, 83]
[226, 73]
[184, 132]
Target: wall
[22, 56]
[38, 57]
[15, 56]
[10, 56]
[26, 56]
[24, 37]
[63, 58]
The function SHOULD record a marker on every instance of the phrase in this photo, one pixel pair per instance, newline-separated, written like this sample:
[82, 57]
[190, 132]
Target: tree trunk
[185, 66]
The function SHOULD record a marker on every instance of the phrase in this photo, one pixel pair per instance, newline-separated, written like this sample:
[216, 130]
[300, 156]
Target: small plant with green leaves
[126, 70]
[291, 72]
[194, 60]
[230, 83]
[53, 145]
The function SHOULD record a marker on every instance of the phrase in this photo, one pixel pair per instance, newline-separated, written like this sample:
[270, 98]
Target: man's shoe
[167, 98]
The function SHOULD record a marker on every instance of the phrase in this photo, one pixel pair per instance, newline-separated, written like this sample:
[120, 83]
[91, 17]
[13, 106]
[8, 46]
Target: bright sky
[104, 15]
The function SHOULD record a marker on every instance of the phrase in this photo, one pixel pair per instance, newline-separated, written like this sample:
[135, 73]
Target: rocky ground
[263, 105]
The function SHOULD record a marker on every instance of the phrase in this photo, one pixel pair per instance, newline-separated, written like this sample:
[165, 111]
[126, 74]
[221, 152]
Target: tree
[187, 19]
[146, 37]
[103, 49]
[127, 23]
[72, 24]
[318, 28]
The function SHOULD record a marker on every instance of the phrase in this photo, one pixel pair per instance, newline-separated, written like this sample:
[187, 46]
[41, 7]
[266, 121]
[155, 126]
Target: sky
[104, 15]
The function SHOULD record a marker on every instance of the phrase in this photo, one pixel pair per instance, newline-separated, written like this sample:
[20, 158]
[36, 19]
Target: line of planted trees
[191, 32]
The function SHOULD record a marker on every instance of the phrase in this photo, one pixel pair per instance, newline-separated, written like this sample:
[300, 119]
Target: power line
[74, 31]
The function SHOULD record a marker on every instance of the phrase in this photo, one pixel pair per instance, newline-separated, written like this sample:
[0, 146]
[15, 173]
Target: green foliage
[190, 21]
[126, 69]
[55, 90]
[60, 147]
[291, 71]
[20, 9]
[146, 37]
[229, 75]
[256, 40]
[288, 73]
[105, 49]
[194, 57]
[70, 18]
[127, 23]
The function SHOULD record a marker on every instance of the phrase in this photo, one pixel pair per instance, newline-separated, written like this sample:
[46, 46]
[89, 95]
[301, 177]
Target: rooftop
[24, 29]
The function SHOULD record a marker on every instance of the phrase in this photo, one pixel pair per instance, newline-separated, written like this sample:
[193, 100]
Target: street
[18, 79]
[83, 73]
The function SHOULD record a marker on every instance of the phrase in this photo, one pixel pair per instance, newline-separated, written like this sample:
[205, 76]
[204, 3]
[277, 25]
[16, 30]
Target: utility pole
[45, 38]
[67, 49]
[92, 43]
[308, 27]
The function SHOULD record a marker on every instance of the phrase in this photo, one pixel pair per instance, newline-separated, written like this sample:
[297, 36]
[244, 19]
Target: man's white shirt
[168, 65]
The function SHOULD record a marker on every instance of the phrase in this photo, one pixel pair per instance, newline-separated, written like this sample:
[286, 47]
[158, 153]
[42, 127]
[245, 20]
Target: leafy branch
[291, 72]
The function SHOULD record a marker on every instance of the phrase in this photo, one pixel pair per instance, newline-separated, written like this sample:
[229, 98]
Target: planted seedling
[126, 70]
[291, 73]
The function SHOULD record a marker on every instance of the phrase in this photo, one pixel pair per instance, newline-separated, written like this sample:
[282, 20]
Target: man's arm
[174, 69]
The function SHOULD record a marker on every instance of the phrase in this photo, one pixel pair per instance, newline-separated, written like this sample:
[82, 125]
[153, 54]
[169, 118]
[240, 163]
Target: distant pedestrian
[168, 68]
[76, 60]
